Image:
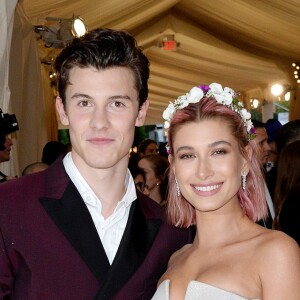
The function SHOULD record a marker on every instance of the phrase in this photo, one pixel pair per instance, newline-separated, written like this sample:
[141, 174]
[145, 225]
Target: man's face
[101, 111]
[5, 154]
[262, 142]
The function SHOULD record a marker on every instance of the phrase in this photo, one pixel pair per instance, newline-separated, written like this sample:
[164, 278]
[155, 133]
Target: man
[79, 230]
[262, 141]
[8, 125]
[5, 155]
[264, 149]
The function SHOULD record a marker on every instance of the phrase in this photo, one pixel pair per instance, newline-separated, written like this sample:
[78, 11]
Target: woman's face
[208, 164]
[151, 179]
[141, 184]
[151, 149]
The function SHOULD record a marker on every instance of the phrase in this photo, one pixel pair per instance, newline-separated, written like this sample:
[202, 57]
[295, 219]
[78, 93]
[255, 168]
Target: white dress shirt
[269, 202]
[111, 229]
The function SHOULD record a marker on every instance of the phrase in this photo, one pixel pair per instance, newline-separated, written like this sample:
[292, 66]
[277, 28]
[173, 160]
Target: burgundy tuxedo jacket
[50, 248]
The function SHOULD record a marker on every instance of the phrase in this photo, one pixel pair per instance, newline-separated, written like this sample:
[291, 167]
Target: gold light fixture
[60, 32]
[296, 66]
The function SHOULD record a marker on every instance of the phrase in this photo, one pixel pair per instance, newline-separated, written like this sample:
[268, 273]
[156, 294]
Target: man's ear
[141, 117]
[61, 111]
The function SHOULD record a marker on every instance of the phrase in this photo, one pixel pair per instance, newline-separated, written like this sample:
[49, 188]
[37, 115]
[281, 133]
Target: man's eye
[83, 103]
[118, 104]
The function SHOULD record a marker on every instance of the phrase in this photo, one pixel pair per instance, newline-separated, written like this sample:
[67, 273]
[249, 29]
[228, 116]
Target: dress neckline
[194, 283]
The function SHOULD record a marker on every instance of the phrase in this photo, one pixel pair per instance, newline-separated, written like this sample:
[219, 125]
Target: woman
[287, 191]
[155, 168]
[147, 147]
[139, 178]
[216, 183]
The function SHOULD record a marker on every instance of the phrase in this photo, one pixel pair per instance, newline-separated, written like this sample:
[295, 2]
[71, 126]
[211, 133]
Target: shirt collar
[85, 190]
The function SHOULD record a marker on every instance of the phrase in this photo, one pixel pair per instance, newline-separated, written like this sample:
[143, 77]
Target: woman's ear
[247, 160]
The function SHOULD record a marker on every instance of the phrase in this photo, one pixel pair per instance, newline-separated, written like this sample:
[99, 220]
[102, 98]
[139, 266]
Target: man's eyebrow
[80, 95]
[85, 96]
[211, 145]
[116, 97]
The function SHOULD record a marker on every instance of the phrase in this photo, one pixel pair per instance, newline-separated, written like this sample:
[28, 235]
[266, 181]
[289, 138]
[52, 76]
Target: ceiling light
[277, 89]
[255, 103]
[61, 32]
[287, 96]
[78, 27]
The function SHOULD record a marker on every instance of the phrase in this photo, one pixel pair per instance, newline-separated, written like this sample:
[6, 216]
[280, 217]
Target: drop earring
[244, 179]
[177, 187]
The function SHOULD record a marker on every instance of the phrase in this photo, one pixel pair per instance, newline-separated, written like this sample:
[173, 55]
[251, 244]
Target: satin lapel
[72, 217]
[135, 244]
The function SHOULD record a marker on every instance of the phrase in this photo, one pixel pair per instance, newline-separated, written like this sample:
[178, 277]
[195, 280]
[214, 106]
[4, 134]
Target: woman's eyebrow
[211, 145]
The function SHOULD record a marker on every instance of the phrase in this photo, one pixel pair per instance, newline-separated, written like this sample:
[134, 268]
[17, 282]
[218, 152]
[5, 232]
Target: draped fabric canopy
[247, 45]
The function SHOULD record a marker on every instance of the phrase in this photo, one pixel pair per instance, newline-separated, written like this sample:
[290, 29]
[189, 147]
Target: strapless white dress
[197, 290]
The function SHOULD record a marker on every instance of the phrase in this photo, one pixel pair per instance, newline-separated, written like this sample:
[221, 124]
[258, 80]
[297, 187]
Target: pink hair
[252, 200]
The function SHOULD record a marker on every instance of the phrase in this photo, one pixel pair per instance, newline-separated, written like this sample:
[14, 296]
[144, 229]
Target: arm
[280, 268]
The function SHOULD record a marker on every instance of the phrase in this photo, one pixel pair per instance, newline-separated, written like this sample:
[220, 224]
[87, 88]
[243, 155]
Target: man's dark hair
[103, 49]
[2, 141]
[258, 124]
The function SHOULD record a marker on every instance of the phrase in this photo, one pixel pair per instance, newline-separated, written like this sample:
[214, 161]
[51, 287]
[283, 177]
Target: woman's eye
[186, 156]
[219, 152]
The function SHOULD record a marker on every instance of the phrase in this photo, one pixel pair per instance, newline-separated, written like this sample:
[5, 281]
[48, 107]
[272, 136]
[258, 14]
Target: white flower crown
[227, 97]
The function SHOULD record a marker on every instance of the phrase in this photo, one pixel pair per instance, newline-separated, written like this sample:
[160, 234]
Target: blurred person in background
[288, 133]
[272, 126]
[287, 191]
[155, 168]
[8, 125]
[264, 149]
[147, 147]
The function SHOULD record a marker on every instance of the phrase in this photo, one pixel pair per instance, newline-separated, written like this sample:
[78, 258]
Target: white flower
[229, 90]
[167, 124]
[223, 97]
[245, 114]
[216, 88]
[195, 95]
[226, 97]
[169, 111]
[249, 125]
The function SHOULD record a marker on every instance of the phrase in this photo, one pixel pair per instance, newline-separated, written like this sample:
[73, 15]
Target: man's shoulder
[41, 183]
[149, 207]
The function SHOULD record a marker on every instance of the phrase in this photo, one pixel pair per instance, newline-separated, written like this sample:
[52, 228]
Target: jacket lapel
[135, 244]
[72, 217]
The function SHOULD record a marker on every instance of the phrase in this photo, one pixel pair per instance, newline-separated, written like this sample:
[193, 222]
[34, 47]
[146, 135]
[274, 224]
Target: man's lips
[99, 140]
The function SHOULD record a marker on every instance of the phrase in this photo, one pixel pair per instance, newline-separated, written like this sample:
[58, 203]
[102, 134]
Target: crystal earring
[244, 179]
[177, 187]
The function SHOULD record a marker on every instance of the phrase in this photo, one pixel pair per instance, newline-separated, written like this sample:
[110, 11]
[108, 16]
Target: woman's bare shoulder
[176, 256]
[274, 240]
[278, 258]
